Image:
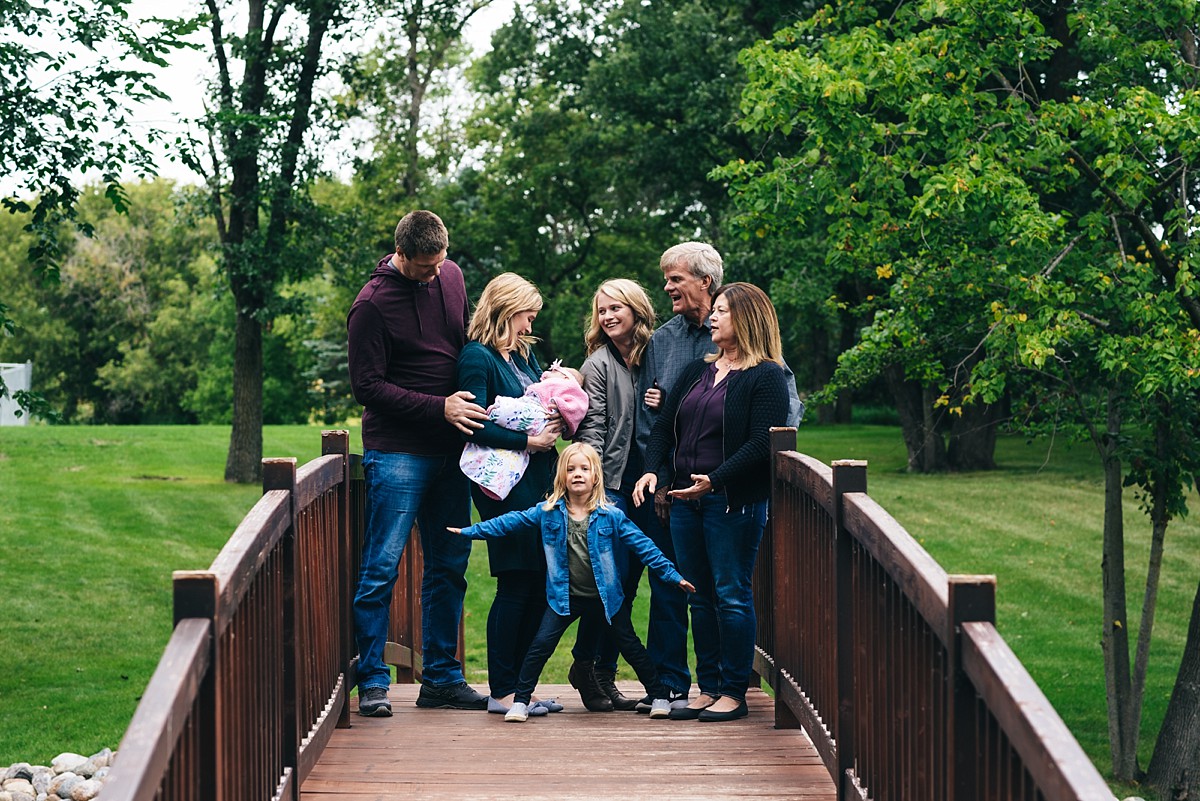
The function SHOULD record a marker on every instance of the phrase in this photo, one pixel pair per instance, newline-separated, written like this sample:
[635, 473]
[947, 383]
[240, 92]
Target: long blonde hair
[597, 498]
[505, 295]
[632, 295]
[755, 325]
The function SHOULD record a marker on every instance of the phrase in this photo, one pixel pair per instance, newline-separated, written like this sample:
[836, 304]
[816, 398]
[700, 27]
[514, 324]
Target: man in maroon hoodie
[406, 328]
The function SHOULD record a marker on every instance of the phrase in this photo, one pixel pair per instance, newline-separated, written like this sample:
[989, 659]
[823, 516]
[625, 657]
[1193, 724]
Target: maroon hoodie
[404, 340]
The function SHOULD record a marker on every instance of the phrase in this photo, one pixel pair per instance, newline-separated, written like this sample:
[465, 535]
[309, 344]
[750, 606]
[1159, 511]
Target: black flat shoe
[684, 714]
[708, 716]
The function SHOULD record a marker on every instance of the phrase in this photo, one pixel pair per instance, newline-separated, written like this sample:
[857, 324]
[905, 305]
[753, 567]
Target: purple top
[405, 337]
[701, 428]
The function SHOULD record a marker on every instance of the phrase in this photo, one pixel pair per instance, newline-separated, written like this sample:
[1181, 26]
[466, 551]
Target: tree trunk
[244, 462]
[822, 367]
[1114, 640]
[973, 437]
[1175, 766]
[1160, 488]
[914, 404]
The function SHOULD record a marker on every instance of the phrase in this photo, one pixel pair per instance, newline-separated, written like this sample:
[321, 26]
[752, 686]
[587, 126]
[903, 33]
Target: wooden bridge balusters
[848, 476]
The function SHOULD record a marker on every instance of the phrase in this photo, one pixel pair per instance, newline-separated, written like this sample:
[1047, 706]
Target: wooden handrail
[893, 667]
[259, 668]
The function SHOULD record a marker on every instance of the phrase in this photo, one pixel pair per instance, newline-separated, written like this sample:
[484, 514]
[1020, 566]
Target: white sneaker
[660, 708]
[517, 713]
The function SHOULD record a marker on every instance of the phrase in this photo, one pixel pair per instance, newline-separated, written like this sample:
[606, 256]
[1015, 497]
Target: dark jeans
[402, 488]
[592, 611]
[717, 547]
[666, 634]
[516, 613]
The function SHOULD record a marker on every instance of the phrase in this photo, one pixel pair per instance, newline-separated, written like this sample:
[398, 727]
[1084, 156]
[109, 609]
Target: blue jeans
[717, 547]
[666, 633]
[403, 488]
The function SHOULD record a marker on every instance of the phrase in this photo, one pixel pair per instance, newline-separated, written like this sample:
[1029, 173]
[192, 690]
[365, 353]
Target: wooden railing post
[784, 556]
[338, 442]
[195, 596]
[970, 599]
[280, 474]
[849, 475]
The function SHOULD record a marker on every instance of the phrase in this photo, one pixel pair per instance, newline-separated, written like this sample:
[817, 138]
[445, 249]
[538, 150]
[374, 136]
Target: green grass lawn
[94, 519]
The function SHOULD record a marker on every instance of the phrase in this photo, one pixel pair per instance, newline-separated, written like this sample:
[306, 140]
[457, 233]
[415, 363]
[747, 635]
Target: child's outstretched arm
[508, 523]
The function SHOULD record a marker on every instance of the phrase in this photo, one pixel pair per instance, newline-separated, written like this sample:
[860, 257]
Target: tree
[261, 157]
[70, 73]
[393, 86]
[1013, 180]
[599, 126]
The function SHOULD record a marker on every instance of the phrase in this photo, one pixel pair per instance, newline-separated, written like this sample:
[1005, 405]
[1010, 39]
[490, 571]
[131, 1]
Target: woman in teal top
[498, 361]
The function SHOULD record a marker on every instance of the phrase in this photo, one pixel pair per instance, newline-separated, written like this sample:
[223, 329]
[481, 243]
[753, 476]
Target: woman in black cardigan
[717, 422]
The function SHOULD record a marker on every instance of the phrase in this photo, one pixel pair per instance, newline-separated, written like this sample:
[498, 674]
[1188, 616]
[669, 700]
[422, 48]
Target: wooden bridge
[887, 678]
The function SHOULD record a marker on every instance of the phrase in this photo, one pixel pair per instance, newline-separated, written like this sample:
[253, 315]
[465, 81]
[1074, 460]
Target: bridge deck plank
[439, 754]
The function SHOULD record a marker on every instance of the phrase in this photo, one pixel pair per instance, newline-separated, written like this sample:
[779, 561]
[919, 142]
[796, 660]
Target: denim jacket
[605, 525]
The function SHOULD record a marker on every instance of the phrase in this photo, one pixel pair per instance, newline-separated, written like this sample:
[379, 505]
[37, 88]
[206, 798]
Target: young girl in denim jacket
[579, 530]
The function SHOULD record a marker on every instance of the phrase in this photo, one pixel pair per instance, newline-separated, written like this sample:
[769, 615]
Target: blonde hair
[634, 296]
[597, 498]
[755, 325]
[504, 296]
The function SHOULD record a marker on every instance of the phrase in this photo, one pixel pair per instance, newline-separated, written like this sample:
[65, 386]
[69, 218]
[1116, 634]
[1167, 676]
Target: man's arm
[369, 347]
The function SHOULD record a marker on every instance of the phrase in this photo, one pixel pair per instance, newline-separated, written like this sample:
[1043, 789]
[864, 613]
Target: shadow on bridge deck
[573, 754]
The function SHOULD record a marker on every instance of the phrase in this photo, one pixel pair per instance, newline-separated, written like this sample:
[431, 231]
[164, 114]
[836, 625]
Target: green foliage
[140, 330]
[991, 224]
[598, 127]
[71, 72]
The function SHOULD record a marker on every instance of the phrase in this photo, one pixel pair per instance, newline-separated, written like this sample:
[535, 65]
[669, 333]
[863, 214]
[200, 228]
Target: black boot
[582, 676]
[607, 681]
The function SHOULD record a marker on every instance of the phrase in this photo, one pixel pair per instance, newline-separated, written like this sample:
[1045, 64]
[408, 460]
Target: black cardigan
[755, 400]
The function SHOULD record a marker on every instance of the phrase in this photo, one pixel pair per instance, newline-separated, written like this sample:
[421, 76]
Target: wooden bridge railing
[893, 667]
[259, 667]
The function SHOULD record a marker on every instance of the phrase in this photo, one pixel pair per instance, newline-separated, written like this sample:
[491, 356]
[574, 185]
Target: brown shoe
[582, 676]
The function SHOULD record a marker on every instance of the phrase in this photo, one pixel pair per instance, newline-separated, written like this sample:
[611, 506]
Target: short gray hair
[700, 258]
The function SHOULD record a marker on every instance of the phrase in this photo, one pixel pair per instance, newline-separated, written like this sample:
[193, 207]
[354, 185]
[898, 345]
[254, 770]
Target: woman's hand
[701, 486]
[544, 441]
[686, 585]
[653, 398]
[647, 483]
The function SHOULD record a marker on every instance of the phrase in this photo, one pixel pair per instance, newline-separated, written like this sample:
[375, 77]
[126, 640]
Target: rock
[19, 770]
[62, 784]
[102, 758]
[67, 762]
[86, 790]
[41, 780]
[15, 786]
